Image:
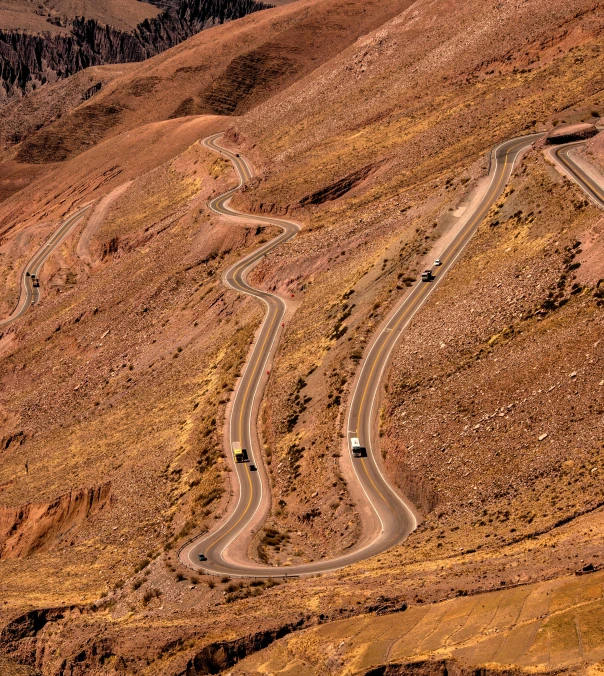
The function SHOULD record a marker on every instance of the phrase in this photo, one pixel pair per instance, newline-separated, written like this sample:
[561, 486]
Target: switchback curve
[392, 516]
[30, 294]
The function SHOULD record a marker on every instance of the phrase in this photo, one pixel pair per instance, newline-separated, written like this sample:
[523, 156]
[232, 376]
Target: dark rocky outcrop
[441, 668]
[17, 638]
[28, 625]
[221, 655]
[27, 61]
[575, 132]
[9, 439]
[340, 187]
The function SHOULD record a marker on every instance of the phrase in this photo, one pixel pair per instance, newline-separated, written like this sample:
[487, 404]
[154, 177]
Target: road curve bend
[30, 294]
[393, 517]
[577, 174]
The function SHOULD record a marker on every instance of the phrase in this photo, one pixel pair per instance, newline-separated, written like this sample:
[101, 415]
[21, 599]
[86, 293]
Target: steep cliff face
[30, 528]
[27, 61]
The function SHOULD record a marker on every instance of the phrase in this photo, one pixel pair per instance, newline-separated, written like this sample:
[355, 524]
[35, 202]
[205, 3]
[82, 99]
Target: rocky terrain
[29, 60]
[371, 123]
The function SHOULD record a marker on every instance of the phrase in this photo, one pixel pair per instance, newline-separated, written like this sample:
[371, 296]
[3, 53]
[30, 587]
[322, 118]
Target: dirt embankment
[35, 527]
[438, 668]
[83, 249]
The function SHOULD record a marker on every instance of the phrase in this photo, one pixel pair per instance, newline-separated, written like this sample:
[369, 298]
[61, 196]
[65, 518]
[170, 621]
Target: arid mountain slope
[237, 66]
[32, 214]
[427, 111]
[52, 16]
[374, 100]
[29, 60]
[123, 372]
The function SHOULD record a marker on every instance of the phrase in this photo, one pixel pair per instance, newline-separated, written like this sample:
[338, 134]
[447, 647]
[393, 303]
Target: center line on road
[373, 483]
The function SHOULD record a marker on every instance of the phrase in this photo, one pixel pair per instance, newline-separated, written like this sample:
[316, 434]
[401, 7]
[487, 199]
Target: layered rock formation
[36, 527]
[27, 61]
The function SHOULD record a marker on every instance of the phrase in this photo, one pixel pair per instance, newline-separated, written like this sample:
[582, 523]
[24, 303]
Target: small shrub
[149, 595]
[140, 566]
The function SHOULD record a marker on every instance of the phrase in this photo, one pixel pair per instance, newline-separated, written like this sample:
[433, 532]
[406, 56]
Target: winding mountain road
[577, 173]
[391, 517]
[30, 294]
[388, 517]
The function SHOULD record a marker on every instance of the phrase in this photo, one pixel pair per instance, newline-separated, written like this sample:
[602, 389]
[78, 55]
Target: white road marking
[460, 241]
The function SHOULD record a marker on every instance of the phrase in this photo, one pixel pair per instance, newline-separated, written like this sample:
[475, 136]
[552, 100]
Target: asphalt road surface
[576, 173]
[393, 514]
[30, 294]
[393, 517]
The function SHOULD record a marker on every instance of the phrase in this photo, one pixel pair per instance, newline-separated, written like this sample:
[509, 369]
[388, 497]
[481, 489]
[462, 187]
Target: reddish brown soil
[45, 17]
[373, 139]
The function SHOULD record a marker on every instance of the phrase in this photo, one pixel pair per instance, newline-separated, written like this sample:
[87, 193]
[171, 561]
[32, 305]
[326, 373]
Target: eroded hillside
[224, 71]
[361, 250]
[50, 43]
[491, 419]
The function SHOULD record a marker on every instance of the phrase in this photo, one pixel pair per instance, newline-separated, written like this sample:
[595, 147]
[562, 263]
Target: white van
[357, 450]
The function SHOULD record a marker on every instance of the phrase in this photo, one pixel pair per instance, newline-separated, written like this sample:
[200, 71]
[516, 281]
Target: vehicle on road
[202, 557]
[358, 451]
[427, 276]
[438, 262]
[253, 468]
[240, 454]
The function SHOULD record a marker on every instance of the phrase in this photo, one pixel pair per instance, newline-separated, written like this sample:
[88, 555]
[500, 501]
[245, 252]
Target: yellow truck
[240, 454]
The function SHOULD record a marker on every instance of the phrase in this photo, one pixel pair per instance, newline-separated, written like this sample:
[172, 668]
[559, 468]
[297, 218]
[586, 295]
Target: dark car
[202, 557]
[253, 468]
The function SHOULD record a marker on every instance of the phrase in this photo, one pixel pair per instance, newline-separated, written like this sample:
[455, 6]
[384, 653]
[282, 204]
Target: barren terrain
[48, 16]
[374, 135]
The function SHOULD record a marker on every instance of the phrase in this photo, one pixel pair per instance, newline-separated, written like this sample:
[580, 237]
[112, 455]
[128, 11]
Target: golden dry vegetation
[554, 623]
[374, 139]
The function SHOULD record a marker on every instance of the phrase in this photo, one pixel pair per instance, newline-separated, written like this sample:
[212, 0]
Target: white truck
[357, 450]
